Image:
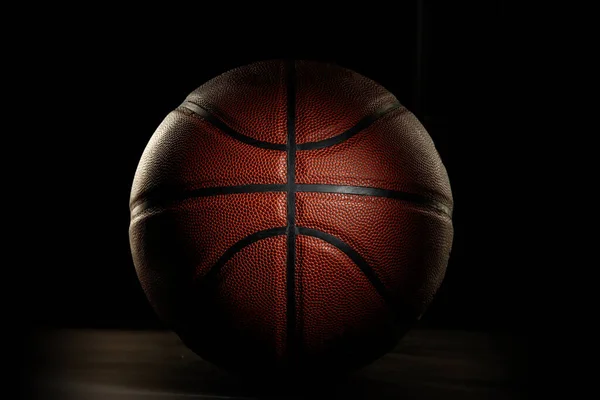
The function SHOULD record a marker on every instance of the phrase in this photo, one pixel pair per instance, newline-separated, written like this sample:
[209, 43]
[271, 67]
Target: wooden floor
[155, 365]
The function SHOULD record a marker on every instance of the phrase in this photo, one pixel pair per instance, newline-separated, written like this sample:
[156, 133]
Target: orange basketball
[290, 216]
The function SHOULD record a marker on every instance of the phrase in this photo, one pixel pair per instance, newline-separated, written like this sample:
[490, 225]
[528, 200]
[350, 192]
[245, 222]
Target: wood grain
[427, 364]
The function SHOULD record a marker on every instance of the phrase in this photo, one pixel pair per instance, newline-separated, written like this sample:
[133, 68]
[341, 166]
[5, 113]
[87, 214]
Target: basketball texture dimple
[290, 216]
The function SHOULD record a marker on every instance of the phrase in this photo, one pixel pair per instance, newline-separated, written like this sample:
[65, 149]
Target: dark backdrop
[450, 66]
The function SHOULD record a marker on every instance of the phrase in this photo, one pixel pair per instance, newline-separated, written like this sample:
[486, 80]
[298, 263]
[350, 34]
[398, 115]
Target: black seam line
[209, 117]
[360, 125]
[370, 191]
[356, 258]
[291, 209]
[399, 308]
[247, 241]
[165, 197]
[160, 198]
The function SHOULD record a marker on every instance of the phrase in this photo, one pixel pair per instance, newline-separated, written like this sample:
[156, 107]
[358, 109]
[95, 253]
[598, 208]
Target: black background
[112, 87]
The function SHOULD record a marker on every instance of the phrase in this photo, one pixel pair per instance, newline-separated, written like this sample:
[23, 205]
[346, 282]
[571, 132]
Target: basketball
[290, 216]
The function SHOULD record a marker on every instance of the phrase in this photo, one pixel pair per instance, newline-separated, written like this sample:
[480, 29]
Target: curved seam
[356, 258]
[362, 264]
[240, 245]
[226, 129]
[360, 126]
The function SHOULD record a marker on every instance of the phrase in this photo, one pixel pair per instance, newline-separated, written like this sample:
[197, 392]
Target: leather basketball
[290, 216]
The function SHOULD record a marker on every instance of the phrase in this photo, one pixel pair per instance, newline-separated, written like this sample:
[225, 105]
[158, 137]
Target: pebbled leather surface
[259, 309]
[394, 153]
[240, 313]
[331, 99]
[187, 153]
[173, 247]
[237, 317]
[250, 99]
[339, 313]
[406, 246]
